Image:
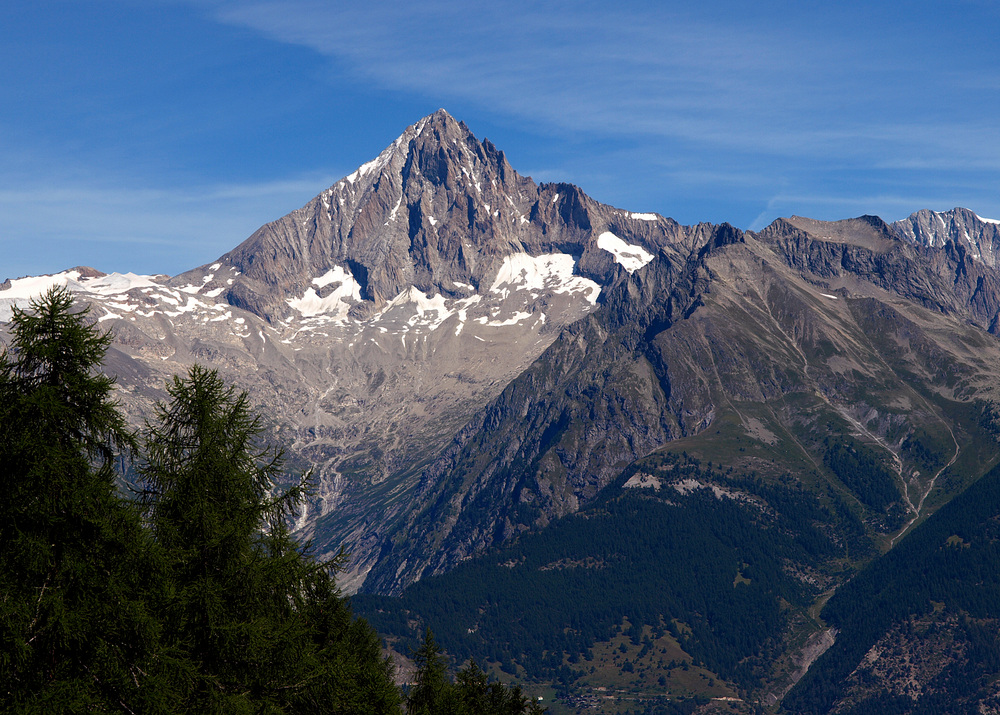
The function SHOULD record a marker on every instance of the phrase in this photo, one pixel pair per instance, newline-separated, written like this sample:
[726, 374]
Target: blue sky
[155, 135]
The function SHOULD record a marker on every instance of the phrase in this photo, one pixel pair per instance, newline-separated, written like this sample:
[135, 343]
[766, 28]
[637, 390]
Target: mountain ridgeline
[504, 383]
[790, 339]
[438, 210]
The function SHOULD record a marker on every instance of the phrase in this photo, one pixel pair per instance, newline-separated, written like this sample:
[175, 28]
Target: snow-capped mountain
[372, 322]
[462, 356]
[979, 236]
[377, 326]
[437, 213]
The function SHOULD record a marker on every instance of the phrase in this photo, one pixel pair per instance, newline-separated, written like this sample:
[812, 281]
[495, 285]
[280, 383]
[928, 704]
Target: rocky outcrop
[948, 277]
[371, 324]
[461, 354]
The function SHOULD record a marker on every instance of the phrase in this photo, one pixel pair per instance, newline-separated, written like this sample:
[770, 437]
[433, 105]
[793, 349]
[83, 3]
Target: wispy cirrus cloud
[779, 83]
[575, 66]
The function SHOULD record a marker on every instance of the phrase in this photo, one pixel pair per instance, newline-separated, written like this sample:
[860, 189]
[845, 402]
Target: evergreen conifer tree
[471, 694]
[476, 695]
[432, 693]
[75, 634]
[260, 621]
[198, 602]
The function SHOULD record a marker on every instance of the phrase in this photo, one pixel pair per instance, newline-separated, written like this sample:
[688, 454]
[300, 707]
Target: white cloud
[591, 68]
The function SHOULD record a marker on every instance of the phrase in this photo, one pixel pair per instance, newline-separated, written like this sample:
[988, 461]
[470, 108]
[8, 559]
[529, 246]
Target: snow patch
[513, 320]
[23, 290]
[115, 283]
[362, 170]
[335, 305]
[988, 220]
[644, 217]
[552, 272]
[392, 216]
[631, 258]
[424, 307]
[188, 307]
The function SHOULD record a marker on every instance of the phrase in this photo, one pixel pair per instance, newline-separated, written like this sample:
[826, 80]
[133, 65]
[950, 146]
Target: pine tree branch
[38, 607]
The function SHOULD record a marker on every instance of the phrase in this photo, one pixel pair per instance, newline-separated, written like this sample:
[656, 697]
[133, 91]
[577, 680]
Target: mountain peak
[980, 237]
[441, 116]
[420, 214]
[437, 210]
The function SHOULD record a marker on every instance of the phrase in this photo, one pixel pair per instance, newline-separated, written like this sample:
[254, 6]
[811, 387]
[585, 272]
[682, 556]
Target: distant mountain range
[465, 357]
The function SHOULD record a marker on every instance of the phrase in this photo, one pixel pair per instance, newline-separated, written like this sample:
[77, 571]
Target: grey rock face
[372, 323]
[979, 237]
[437, 210]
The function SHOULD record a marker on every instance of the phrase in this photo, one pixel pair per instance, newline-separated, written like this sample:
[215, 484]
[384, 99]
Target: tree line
[188, 595]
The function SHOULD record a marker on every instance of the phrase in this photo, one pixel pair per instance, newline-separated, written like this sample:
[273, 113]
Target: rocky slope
[979, 236]
[918, 628]
[370, 324]
[803, 331]
[461, 354]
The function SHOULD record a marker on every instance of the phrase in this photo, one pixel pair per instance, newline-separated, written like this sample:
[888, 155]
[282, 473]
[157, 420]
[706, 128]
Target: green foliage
[432, 692]
[74, 628]
[232, 584]
[930, 566]
[863, 472]
[925, 450]
[654, 558]
[201, 602]
[472, 693]
[258, 621]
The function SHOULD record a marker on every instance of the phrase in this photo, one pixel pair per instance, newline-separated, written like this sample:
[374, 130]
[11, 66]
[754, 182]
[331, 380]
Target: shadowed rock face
[809, 323]
[953, 279]
[372, 323]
